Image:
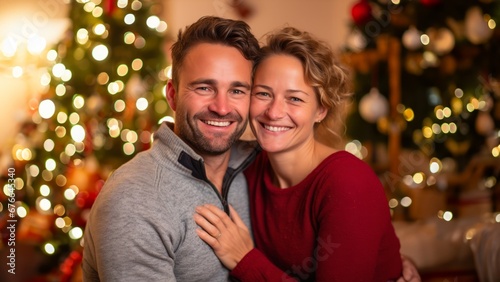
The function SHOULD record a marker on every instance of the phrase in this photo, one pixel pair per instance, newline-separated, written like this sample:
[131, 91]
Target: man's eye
[237, 91]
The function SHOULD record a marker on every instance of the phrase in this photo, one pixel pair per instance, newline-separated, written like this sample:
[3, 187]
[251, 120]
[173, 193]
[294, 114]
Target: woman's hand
[229, 237]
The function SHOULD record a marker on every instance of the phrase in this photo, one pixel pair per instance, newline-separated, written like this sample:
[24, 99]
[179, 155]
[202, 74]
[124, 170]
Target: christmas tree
[426, 81]
[105, 99]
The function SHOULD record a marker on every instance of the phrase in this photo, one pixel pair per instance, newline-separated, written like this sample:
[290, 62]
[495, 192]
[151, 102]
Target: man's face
[212, 99]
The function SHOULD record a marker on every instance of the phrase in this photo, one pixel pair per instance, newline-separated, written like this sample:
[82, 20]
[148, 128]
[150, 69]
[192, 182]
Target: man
[141, 226]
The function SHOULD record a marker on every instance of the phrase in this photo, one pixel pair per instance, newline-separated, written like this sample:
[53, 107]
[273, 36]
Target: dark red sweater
[333, 226]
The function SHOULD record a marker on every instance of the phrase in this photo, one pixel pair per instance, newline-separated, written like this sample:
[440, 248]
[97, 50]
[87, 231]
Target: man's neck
[215, 168]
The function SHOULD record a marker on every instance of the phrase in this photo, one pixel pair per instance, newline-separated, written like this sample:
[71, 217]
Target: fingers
[208, 221]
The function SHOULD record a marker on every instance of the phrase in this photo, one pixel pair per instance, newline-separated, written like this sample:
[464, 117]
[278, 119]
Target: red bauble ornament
[361, 12]
[430, 3]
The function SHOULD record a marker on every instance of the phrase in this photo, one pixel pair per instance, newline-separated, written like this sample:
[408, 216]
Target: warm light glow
[17, 71]
[49, 248]
[50, 164]
[119, 106]
[44, 190]
[140, 42]
[137, 64]
[82, 36]
[36, 44]
[62, 117]
[122, 70]
[153, 22]
[78, 102]
[100, 52]
[9, 47]
[424, 38]
[393, 203]
[21, 211]
[122, 3]
[60, 222]
[129, 37]
[58, 70]
[129, 19]
[99, 29]
[459, 93]
[44, 204]
[78, 133]
[46, 109]
[406, 202]
[427, 132]
[408, 114]
[60, 90]
[128, 148]
[447, 215]
[103, 78]
[142, 104]
[113, 88]
[45, 79]
[75, 233]
[492, 24]
[162, 27]
[74, 118]
[48, 145]
[435, 165]
[136, 5]
[418, 178]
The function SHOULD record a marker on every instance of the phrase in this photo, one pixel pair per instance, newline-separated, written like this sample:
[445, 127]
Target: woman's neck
[291, 167]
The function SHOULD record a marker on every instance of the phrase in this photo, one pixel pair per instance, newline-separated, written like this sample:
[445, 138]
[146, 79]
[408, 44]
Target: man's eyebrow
[202, 81]
[241, 84]
[210, 81]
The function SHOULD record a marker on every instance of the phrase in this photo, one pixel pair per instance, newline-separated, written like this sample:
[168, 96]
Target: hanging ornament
[356, 41]
[441, 40]
[476, 28]
[373, 106]
[361, 12]
[411, 39]
[430, 3]
[484, 124]
[109, 7]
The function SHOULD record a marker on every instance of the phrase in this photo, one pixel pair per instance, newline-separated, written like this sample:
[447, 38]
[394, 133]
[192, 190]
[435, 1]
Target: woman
[318, 213]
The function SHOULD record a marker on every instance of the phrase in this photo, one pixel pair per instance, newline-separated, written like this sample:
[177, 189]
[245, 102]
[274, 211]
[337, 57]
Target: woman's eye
[295, 99]
[263, 94]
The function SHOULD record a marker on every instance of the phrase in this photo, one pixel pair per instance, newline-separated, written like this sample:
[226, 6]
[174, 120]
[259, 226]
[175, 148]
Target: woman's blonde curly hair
[323, 71]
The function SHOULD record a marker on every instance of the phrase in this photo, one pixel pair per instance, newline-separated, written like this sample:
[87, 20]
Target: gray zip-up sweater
[141, 227]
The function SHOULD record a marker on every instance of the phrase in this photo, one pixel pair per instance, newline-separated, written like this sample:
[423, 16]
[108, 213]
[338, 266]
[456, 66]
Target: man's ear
[171, 95]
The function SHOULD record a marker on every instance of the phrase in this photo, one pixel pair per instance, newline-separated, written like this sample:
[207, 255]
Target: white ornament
[411, 39]
[476, 28]
[484, 123]
[373, 106]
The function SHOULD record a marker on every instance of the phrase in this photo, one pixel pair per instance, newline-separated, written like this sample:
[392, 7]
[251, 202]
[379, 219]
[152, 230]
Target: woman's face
[283, 107]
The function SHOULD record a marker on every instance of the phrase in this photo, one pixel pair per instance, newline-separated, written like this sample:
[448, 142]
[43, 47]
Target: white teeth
[218, 123]
[276, 128]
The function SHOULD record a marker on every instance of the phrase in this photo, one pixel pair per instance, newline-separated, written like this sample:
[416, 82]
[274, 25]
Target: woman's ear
[171, 95]
[321, 114]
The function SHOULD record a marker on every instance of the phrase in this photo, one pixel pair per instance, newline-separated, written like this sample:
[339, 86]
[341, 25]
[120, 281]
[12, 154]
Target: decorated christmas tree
[105, 98]
[427, 87]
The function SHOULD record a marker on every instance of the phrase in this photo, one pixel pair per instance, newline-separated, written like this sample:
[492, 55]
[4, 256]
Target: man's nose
[220, 104]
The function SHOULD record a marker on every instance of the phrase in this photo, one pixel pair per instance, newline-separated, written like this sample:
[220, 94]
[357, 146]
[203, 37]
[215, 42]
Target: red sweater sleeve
[255, 267]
